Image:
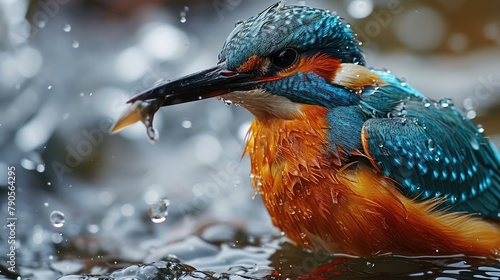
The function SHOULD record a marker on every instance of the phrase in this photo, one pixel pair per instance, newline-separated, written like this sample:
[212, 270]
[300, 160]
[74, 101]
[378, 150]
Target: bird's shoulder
[430, 147]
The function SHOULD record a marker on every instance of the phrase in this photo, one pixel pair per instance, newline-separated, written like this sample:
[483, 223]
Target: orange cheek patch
[252, 63]
[321, 64]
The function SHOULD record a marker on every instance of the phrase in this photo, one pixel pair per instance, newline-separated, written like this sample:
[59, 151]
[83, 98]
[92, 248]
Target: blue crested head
[307, 30]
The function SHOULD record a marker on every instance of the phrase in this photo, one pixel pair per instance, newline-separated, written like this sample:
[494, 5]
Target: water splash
[158, 211]
[57, 219]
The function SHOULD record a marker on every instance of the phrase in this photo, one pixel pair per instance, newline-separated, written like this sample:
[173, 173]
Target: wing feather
[432, 150]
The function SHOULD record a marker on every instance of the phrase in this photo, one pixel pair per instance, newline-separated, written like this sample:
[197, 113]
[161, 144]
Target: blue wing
[431, 149]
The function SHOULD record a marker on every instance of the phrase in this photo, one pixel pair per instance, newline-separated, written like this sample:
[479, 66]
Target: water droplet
[437, 158]
[370, 264]
[186, 124]
[42, 23]
[49, 183]
[426, 102]
[474, 143]
[158, 211]
[471, 114]
[480, 128]
[227, 102]
[93, 228]
[152, 134]
[431, 145]
[280, 202]
[443, 102]
[303, 235]
[40, 168]
[57, 219]
[28, 164]
[49, 87]
[75, 44]
[46, 204]
[255, 194]
[290, 210]
[81, 94]
[469, 104]
[258, 184]
[57, 238]
[281, 4]
[183, 14]
[127, 210]
[67, 27]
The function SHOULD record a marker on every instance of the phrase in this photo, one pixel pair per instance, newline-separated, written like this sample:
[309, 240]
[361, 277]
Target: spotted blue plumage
[432, 149]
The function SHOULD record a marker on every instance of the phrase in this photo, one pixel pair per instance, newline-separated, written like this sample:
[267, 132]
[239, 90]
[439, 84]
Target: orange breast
[324, 206]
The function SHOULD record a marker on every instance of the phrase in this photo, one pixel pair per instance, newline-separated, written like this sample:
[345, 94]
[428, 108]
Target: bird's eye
[285, 58]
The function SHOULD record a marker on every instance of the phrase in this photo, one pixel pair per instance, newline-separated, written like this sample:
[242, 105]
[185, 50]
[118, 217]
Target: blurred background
[84, 197]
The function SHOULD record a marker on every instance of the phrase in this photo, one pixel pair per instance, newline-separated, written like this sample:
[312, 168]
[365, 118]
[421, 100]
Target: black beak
[204, 84]
[201, 85]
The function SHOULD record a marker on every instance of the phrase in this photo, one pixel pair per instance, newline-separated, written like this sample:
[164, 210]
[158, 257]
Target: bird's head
[270, 64]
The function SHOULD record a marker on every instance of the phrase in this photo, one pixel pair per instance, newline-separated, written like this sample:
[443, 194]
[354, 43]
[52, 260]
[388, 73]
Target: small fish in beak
[140, 110]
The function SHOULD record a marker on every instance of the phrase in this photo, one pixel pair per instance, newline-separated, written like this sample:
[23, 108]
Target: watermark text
[11, 218]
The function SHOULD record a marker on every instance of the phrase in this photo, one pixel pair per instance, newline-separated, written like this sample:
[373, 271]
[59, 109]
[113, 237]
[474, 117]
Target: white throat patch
[263, 104]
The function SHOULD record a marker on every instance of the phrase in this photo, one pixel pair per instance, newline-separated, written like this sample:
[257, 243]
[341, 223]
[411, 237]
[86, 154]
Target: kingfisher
[347, 158]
